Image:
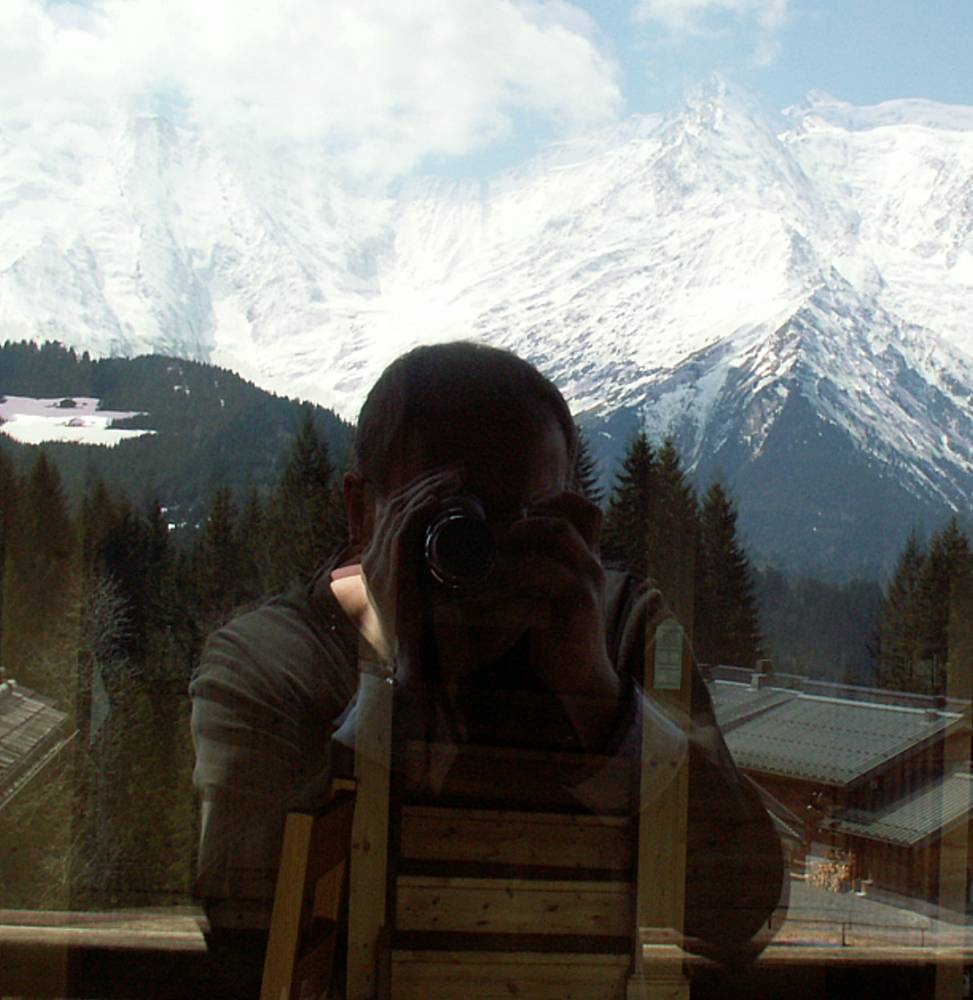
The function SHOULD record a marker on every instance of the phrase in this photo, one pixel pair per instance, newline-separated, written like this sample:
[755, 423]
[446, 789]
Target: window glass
[530, 439]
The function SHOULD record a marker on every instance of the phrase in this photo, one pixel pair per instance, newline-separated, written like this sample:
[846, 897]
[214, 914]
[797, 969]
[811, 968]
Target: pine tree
[898, 627]
[258, 541]
[41, 586]
[126, 822]
[726, 626]
[164, 659]
[673, 532]
[625, 533]
[586, 471]
[947, 558]
[99, 515]
[308, 515]
[219, 559]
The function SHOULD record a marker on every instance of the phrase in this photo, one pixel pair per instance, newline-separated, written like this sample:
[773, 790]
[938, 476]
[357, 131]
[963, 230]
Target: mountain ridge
[663, 272]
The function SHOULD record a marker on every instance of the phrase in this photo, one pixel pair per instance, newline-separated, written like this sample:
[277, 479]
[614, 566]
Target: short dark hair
[441, 382]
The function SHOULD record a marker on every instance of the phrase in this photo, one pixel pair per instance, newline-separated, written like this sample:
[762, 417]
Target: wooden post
[663, 828]
[369, 837]
[956, 753]
[285, 924]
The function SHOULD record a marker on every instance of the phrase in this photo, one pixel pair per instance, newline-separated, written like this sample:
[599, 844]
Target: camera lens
[460, 548]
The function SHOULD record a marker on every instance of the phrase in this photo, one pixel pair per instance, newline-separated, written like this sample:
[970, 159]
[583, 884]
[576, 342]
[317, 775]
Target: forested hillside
[223, 444]
[101, 612]
[212, 427]
[103, 607]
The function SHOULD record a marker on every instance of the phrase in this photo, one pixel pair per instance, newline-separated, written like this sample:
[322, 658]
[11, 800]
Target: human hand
[391, 562]
[551, 556]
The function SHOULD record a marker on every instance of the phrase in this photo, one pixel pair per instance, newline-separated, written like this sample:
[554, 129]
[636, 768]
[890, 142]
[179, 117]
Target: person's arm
[241, 819]
[265, 694]
[735, 875]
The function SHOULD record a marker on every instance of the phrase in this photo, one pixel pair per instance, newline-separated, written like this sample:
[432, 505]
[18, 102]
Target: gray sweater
[272, 685]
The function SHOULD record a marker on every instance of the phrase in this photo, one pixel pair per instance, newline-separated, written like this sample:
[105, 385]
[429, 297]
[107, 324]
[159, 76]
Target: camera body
[460, 549]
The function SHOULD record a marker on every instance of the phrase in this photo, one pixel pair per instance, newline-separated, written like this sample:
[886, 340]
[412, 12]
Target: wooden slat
[330, 837]
[885, 955]
[328, 891]
[500, 976]
[108, 938]
[369, 847]
[116, 930]
[512, 906]
[312, 973]
[797, 956]
[520, 779]
[312, 864]
[878, 955]
[663, 828]
[285, 923]
[488, 836]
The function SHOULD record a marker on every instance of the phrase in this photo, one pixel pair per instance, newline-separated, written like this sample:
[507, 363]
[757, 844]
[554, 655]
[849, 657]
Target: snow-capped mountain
[714, 272]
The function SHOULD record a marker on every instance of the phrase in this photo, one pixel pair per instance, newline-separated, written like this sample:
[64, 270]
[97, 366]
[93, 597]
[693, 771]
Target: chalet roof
[914, 818]
[826, 733]
[32, 731]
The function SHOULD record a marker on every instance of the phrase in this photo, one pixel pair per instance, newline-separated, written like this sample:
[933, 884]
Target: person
[544, 647]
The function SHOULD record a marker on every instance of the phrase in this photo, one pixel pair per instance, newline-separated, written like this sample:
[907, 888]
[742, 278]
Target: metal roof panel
[830, 740]
[913, 818]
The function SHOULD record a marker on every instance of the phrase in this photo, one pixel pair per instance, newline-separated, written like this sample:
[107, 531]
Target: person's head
[428, 389]
[493, 420]
[469, 405]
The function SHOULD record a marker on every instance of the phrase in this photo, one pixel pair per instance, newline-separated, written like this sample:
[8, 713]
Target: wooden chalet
[878, 778]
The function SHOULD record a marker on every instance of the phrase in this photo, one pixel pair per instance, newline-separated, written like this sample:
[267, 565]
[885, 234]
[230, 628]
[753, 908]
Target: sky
[390, 88]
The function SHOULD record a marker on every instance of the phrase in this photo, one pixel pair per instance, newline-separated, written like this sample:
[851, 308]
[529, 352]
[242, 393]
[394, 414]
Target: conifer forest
[104, 605]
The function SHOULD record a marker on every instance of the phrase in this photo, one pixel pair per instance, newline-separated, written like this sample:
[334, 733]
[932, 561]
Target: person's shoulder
[274, 619]
[291, 635]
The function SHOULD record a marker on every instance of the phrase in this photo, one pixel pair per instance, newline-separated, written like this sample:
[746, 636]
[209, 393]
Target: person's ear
[358, 510]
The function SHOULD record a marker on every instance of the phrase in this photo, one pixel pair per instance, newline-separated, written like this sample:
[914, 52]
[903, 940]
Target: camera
[460, 549]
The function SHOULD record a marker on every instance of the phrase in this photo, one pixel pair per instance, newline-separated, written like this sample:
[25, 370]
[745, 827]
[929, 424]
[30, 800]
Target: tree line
[223, 443]
[113, 569]
[913, 647]
[104, 614]
[657, 527]
[103, 610]
[208, 427]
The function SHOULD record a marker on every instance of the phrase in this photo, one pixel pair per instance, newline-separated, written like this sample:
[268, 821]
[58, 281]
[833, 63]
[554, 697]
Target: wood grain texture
[511, 906]
[369, 847]
[499, 976]
[489, 836]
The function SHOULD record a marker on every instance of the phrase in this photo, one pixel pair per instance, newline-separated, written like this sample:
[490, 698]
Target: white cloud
[696, 16]
[383, 83]
[766, 53]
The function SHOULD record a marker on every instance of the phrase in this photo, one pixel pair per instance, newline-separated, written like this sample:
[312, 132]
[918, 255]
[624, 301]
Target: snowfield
[34, 421]
[698, 268]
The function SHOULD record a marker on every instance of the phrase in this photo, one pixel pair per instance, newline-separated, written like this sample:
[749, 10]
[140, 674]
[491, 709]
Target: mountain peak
[717, 97]
[655, 261]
